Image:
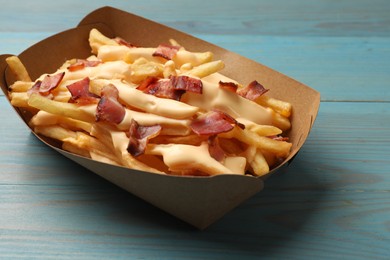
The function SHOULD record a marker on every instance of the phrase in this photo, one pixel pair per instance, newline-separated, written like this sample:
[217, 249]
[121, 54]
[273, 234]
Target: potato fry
[191, 139]
[18, 68]
[281, 122]
[21, 86]
[257, 161]
[59, 108]
[76, 150]
[43, 118]
[279, 148]
[279, 106]
[194, 58]
[97, 39]
[19, 99]
[206, 69]
[142, 68]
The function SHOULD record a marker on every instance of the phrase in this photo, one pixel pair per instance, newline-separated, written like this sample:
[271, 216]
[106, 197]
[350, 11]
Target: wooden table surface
[332, 203]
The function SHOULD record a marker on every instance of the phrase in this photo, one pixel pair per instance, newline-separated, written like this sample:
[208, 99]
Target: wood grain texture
[332, 202]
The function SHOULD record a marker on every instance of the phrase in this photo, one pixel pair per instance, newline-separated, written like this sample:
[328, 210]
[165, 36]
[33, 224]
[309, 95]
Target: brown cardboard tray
[199, 201]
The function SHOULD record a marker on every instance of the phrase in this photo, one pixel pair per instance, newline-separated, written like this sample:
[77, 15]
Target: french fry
[59, 108]
[76, 150]
[169, 69]
[97, 39]
[18, 68]
[206, 69]
[43, 118]
[191, 139]
[194, 58]
[21, 86]
[259, 164]
[281, 122]
[19, 99]
[279, 148]
[142, 68]
[279, 106]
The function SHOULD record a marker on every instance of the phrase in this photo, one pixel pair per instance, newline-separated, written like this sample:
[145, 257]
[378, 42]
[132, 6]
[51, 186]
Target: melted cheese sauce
[180, 157]
[152, 104]
[214, 97]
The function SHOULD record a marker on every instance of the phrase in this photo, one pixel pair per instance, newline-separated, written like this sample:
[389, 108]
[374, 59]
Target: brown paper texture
[199, 201]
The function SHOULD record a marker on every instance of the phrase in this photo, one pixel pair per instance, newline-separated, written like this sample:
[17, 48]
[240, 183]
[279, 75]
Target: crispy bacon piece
[122, 41]
[252, 91]
[230, 86]
[81, 64]
[49, 83]
[166, 51]
[139, 137]
[279, 138]
[80, 93]
[173, 88]
[35, 87]
[109, 109]
[215, 149]
[214, 122]
[187, 84]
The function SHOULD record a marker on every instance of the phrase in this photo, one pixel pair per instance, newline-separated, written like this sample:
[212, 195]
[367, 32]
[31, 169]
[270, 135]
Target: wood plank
[258, 17]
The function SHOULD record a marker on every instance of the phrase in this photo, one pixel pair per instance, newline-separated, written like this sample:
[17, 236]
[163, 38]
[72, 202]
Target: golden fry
[18, 68]
[59, 108]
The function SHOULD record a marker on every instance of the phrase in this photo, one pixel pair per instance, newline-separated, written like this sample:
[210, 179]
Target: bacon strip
[230, 86]
[166, 51]
[214, 122]
[123, 42]
[279, 138]
[252, 91]
[215, 149]
[173, 88]
[80, 93]
[49, 83]
[81, 64]
[109, 109]
[187, 84]
[139, 137]
[34, 88]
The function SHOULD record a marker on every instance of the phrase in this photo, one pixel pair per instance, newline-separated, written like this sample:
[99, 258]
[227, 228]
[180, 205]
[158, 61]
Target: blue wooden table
[332, 203]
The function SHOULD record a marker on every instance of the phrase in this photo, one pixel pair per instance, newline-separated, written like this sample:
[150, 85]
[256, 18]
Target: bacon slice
[81, 64]
[279, 138]
[139, 137]
[49, 83]
[166, 51]
[252, 91]
[214, 122]
[215, 149]
[230, 86]
[123, 42]
[173, 88]
[80, 93]
[34, 88]
[109, 109]
[187, 84]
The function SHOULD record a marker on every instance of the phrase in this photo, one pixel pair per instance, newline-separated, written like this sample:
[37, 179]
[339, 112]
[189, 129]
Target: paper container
[199, 201]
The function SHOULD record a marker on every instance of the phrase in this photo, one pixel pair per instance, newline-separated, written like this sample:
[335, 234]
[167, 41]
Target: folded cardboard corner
[199, 201]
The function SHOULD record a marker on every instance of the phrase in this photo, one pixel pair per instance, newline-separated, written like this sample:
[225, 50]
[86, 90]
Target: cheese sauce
[214, 97]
